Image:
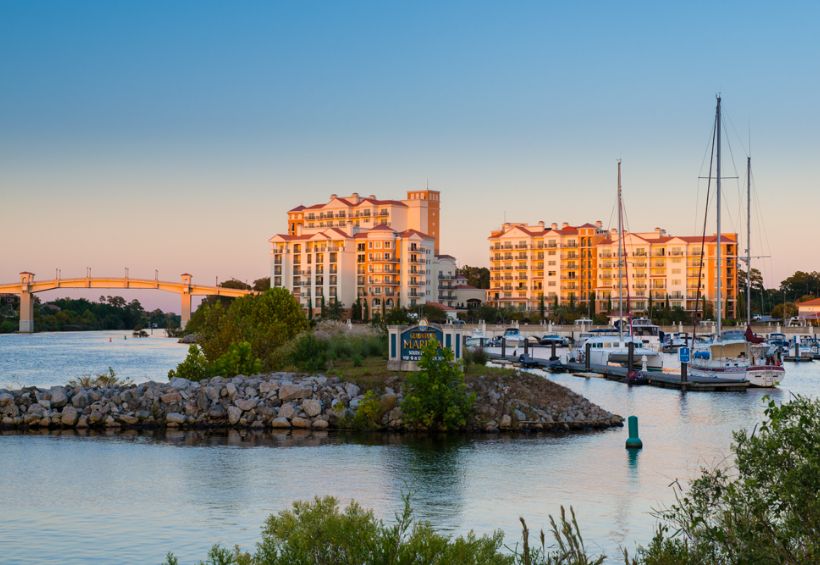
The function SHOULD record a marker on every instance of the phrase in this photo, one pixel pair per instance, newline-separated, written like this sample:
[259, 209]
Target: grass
[373, 373]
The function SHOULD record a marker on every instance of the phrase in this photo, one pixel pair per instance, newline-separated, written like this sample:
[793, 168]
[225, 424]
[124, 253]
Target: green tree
[764, 510]
[436, 397]
[262, 284]
[478, 277]
[266, 321]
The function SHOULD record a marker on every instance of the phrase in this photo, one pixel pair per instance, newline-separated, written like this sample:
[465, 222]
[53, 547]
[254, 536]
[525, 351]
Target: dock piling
[587, 349]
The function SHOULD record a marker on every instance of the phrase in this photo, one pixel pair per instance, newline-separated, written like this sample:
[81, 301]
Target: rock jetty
[283, 401]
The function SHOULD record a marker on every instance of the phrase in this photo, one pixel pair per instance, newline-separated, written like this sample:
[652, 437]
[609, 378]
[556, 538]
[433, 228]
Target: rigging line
[747, 148]
[703, 237]
[700, 174]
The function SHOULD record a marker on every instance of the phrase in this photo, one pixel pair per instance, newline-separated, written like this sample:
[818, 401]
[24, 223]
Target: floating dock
[660, 379]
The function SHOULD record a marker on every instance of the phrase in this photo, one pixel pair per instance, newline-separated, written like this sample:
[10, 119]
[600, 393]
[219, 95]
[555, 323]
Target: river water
[130, 498]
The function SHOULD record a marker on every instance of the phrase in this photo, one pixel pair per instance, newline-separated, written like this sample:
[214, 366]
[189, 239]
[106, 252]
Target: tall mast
[620, 256]
[748, 240]
[718, 294]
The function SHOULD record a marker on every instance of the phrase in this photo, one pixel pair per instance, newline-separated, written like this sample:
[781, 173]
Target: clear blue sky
[174, 135]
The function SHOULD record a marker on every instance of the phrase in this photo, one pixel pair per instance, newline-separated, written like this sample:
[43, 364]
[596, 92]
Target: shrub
[436, 397]
[238, 360]
[266, 321]
[109, 378]
[369, 412]
[764, 510]
[320, 532]
[194, 367]
[309, 353]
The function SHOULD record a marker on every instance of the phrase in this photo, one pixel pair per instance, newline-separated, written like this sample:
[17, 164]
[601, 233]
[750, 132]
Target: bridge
[185, 288]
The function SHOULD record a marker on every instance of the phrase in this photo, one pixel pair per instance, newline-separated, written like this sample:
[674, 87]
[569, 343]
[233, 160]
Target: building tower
[424, 208]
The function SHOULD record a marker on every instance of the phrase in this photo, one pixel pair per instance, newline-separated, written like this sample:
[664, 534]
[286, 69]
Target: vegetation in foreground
[763, 509]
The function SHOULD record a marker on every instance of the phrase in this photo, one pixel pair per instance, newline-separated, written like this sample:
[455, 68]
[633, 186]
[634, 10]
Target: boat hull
[765, 376]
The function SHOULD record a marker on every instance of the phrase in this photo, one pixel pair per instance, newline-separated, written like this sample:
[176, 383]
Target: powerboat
[612, 350]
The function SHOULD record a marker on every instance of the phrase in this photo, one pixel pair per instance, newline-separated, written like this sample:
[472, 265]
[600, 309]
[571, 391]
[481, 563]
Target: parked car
[558, 340]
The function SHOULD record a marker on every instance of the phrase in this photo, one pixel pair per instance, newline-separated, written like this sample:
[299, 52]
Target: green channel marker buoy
[633, 441]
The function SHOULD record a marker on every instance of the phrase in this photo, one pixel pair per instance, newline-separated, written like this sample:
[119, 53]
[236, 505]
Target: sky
[175, 135]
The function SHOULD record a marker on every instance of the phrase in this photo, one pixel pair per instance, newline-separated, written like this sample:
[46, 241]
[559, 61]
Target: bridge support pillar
[26, 303]
[186, 300]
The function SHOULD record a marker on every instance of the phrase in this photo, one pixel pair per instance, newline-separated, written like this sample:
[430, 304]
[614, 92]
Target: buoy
[633, 441]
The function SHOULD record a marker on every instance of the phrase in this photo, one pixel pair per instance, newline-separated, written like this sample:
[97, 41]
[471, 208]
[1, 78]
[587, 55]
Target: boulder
[179, 383]
[173, 418]
[312, 407]
[234, 413]
[59, 398]
[300, 422]
[231, 389]
[506, 421]
[6, 398]
[280, 423]
[170, 398]
[246, 405]
[69, 416]
[320, 424]
[352, 390]
[79, 400]
[287, 411]
[290, 391]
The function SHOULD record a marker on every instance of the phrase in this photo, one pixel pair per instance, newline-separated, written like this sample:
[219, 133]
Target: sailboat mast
[718, 293]
[620, 262]
[749, 240]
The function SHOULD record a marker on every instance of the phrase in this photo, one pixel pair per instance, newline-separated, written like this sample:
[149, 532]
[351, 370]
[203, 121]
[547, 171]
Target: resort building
[379, 254]
[578, 266]
[809, 311]
[660, 269]
[534, 263]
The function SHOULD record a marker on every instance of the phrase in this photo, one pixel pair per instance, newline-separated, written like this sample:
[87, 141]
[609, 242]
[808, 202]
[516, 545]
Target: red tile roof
[812, 302]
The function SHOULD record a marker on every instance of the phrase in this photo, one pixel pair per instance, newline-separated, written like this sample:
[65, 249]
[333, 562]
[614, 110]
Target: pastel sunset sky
[175, 135]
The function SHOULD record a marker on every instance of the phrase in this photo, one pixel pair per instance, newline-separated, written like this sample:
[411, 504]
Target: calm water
[52, 358]
[132, 498]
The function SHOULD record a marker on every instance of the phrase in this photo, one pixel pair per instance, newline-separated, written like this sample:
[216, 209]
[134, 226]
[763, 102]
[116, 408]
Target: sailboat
[765, 367]
[730, 354]
[609, 349]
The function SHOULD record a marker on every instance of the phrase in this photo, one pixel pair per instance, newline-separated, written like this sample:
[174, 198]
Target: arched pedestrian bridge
[185, 288]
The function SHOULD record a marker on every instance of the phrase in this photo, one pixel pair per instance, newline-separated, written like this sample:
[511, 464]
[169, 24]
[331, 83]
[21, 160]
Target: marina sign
[683, 354]
[414, 339]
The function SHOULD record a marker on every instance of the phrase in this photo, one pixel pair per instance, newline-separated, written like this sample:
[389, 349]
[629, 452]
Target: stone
[289, 391]
[174, 418]
[212, 393]
[179, 383]
[312, 407]
[36, 410]
[300, 422]
[170, 398]
[10, 410]
[79, 400]
[320, 424]
[280, 423]
[506, 421]
[231, 389]
[69, 416]
[202, 399]
[217, 412]
[82, 422]
[519, 415]
[6, 398]
[128, 419]
[246, 405]
[234, 413]
[59, 398]
[491, 426]
[287, 411]
[110, 422]
[352, 390]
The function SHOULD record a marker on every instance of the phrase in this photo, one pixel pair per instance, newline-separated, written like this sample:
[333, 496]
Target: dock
[660, 379]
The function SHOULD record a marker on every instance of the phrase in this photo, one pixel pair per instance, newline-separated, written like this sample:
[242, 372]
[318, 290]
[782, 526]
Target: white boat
[732, 355]
[612, 350]
[513, 336]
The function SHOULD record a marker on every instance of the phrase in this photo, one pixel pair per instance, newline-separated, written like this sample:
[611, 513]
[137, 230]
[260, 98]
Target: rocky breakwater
[283, 400]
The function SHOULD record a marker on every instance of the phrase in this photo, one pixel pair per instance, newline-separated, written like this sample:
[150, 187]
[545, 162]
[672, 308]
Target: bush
[436, 397]
[319, 532]
[238, 360]
[194, 367]
[475, 356]
[309, 353]
[369, 412]
[764, 510]
[266, 321]
[103, 379]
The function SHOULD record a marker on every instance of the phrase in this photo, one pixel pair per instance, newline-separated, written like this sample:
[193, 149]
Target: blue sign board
[414, 339]
[683, 354]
